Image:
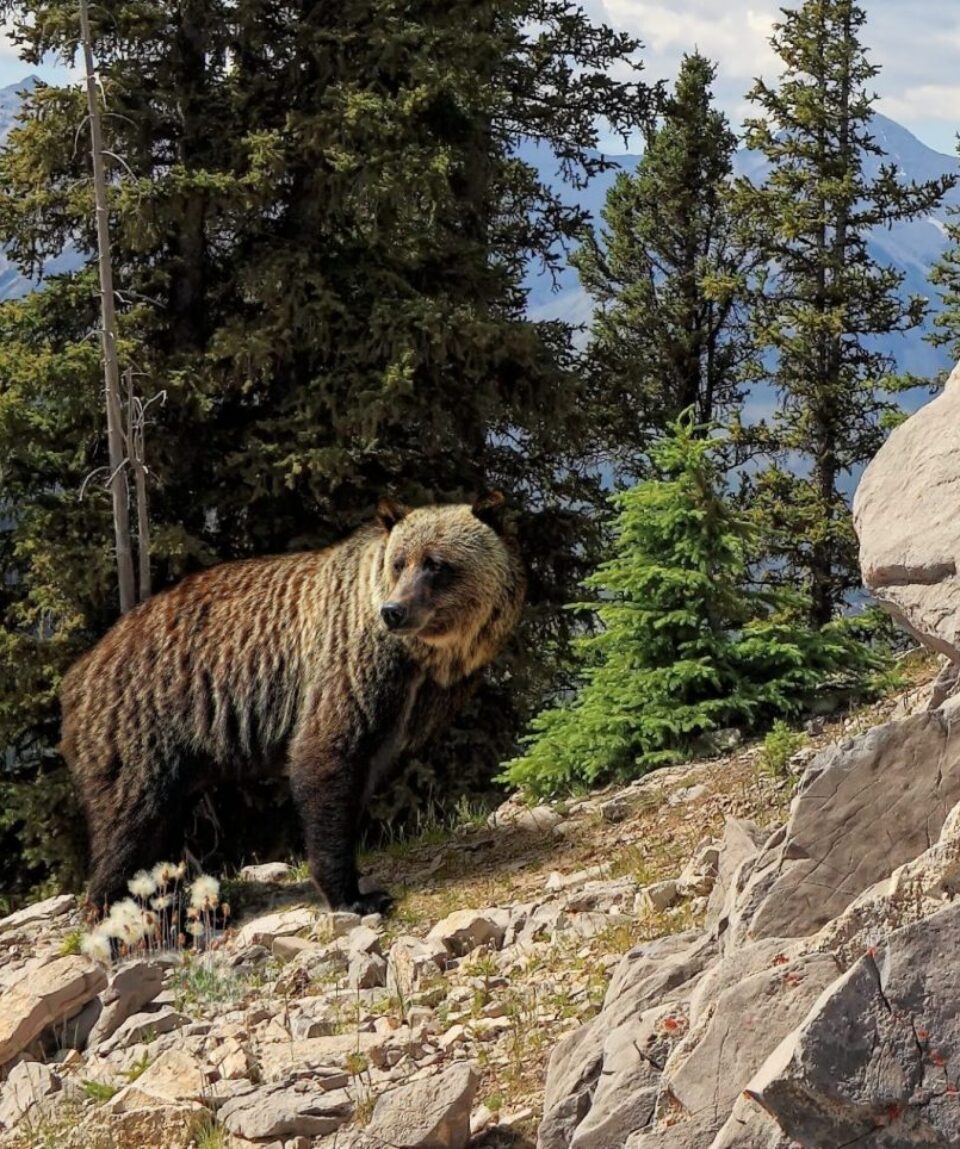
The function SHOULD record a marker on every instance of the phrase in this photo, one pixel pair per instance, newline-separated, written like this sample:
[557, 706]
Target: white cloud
[915, 45]
[925, 102]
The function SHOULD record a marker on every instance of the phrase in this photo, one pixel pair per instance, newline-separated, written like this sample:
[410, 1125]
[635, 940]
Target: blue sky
[916, 43]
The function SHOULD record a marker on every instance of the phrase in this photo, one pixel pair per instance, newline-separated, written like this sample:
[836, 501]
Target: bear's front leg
[327, 780]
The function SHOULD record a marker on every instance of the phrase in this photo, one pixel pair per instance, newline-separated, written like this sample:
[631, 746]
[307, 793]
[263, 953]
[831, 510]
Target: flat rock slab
[175, 1076]
[28, 1089]
[53, 994]
[38, 913]
[268, 872]
[131, 987]
[279, 1058]
[905, 514]
[299, 1109]
[866, 806]
[262, 931]
[466, 930]
[747, 1023]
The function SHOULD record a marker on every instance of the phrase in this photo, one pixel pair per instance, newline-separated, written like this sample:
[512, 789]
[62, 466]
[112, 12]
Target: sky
[915, 42]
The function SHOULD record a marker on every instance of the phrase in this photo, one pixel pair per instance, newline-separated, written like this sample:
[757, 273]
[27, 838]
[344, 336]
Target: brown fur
[285, 664]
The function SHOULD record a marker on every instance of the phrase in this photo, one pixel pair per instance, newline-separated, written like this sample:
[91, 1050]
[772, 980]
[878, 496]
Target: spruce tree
[685, 645]
[670, 275]
[826, 298]
[945, 276]
[320, 227]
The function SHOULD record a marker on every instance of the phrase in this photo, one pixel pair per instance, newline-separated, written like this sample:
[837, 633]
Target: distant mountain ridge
[912, 248]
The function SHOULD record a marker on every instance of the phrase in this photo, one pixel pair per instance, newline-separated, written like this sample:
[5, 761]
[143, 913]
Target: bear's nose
[394, 615]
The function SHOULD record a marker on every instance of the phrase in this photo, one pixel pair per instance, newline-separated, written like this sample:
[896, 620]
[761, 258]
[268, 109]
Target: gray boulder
[877, 1059]
[865, 807]
[906, 520]
[432, 1113]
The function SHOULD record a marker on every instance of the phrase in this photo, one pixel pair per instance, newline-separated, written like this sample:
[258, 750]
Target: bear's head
[450, 577]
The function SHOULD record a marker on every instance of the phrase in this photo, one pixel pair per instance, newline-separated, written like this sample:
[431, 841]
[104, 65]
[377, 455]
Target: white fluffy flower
[163, 902]
[195, 928]
[96, 945]
[125, 921]
[205, 892]
[142, 885]
[164, 873]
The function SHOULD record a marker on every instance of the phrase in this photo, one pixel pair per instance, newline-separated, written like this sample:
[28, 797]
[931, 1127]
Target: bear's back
[217, 663]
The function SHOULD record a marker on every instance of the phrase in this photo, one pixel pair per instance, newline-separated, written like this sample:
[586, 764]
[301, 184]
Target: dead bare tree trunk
[111, 369]
[135, 437]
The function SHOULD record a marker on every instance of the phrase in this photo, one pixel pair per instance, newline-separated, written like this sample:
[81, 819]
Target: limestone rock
[144, 1027]
[865, 806]
[433, 1113]
[27, 1092]
[302, 1108]
[626, 1093]
[279, 1058]
[175, 1076]
[699, 874]
[715, 1062]
[905, 517]
[411, 960]
[466, 930]
[646, 977]
[52, 995]
[262, 931]
[739, 849]
[363, 940]
[137, 1128]
[656, 898]
[131, 988]
[38, 914]
[268, 872]
[879, 1050]
[366, 971]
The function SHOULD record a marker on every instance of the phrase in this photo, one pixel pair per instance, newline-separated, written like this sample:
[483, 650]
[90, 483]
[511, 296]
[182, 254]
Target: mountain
[13, 285]
[912, 247]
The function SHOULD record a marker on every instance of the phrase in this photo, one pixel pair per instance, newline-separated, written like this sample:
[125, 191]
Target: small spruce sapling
[684, 644]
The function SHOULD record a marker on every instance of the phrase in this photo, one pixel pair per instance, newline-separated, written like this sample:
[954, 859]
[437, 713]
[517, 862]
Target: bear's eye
[441, 573]
[398, 564]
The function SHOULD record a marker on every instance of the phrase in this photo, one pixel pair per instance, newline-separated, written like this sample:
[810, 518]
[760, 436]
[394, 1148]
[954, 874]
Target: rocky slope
[818, 1005]
[432, 1027]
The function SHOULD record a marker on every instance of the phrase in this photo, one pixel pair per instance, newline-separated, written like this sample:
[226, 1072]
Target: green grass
[197, 983]
[71, 943]
[98, 1091]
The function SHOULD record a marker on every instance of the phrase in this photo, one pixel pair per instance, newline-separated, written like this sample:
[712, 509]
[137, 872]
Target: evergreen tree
[826, 297]
[945, 276]
[320, 227]
[671, 277]
[685, 646]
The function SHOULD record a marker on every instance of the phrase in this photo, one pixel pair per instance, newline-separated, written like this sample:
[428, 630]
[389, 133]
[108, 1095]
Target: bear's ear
[390, 512]
[491, 509]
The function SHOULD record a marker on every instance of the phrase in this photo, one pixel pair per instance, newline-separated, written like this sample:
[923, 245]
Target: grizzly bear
[327, 665]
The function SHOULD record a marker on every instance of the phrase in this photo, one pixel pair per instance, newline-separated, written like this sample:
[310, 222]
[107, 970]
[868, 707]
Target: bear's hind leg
[131, 829]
